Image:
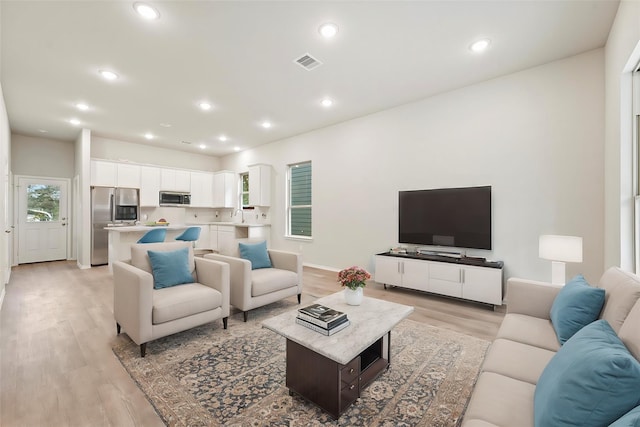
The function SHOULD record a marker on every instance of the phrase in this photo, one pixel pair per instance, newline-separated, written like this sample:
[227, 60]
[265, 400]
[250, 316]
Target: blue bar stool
[156, 235]
[191, 234]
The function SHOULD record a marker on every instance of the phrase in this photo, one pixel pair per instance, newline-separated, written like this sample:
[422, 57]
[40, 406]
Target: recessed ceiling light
[480, 45]
[165, 125]
[74, 122]
[204, 105]
[236, 148]
[148, 135]
[82, 106]
[266, 124]
[202, 146]
[327, 102]
[222, 138]
[42, 131]
[146, 11]
[108, 75]
[328, 30]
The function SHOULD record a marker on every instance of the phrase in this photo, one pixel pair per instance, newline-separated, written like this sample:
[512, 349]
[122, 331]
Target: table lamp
[560, 249]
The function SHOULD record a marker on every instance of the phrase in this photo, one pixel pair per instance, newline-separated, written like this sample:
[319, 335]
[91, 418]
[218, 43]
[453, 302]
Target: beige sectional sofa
[526, 343]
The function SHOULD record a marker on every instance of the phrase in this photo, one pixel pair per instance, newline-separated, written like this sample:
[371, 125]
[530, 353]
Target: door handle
[7, 231]
[64, 223]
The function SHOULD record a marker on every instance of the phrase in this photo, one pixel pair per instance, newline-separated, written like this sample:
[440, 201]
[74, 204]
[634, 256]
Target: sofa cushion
[516, 360]
[267, 280]
[140, 259]
[181, 301]
[630, 419]
[170, 268]
[630, 331]
[501, 401]
[622, 292]
[576, 305]
[256, 253]
[529, 330]
[591, 381]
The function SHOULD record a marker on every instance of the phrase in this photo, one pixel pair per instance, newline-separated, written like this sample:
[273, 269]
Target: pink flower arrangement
[353, 277]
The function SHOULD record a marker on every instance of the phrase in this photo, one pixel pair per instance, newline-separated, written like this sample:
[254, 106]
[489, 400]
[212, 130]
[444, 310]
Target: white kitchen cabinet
[260, 185]
[225, 191]
[201, 189]
[227, 243]
[103, 174]
[149, 186]
[127, 176]
[460, 279]
[175, 180]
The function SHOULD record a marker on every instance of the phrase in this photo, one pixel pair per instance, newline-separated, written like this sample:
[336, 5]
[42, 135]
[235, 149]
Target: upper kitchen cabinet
[225, 190]
[201, 189]
[103, 174]
[127, 176]
[260, 185]
[175, 180]
[149, 186]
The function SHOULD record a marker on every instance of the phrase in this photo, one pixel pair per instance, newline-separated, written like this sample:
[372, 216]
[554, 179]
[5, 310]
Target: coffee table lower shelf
[329, 384]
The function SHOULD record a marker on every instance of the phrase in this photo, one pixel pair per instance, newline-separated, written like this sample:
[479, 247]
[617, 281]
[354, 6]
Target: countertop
[235, 224]
[130, 228]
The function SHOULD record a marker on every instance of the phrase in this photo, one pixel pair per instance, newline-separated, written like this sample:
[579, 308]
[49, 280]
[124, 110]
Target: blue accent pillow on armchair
[256, 253]
[170, 268]
[630, 419]
[591, 381]
[576, 305]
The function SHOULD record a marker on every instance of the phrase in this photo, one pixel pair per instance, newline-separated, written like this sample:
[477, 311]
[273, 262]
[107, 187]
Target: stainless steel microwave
[172, 198]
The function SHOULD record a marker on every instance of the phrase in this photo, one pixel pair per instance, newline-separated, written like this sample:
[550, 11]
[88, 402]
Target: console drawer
[349, 393]
[350, 372]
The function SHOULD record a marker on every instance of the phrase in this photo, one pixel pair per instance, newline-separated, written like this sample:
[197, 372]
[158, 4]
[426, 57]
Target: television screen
[456, 217]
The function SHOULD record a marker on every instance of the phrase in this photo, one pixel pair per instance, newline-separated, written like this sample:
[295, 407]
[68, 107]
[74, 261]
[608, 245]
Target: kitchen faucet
[241, 215]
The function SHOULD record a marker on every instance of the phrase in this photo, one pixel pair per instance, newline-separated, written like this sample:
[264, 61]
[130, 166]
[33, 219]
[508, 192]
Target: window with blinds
[299, 206]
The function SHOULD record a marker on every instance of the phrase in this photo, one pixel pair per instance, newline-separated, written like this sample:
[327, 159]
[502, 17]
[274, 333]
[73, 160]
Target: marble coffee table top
[369, 321]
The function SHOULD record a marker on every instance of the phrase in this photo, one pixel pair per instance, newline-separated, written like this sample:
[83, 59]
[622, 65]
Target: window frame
[289, 208]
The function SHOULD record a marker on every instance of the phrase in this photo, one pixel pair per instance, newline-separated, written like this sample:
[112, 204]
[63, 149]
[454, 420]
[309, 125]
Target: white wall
[536, 136]
[6, 217]
[623, 39]
[112, 149]
[38, 156]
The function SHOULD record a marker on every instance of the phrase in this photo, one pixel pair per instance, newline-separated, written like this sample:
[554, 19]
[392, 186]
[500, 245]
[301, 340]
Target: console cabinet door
[388, 270]
[483, 284]
[415, 274]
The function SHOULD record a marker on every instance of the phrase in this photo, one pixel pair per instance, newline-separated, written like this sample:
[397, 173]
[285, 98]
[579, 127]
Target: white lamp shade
[560, 248]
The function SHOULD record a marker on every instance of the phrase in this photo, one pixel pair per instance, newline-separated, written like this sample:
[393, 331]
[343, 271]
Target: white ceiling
[239, 56]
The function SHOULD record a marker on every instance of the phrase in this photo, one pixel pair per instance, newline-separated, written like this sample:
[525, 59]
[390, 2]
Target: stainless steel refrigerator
[110, 207]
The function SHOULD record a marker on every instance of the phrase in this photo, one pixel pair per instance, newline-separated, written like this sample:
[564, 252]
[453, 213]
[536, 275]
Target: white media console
[467, 278]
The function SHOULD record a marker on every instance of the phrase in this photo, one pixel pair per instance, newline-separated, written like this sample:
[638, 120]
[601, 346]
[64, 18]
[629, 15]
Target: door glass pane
[43, 202]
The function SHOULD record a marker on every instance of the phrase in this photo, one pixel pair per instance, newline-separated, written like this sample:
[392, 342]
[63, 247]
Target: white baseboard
[320, 267]
[82, 267]
[4, 289]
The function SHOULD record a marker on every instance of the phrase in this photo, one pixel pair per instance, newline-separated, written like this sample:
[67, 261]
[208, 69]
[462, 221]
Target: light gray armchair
[255, 288]
[146, 313]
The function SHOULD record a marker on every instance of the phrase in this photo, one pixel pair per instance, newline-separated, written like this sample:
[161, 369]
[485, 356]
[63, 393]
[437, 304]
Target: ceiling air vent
[307, 62]
[186, 142]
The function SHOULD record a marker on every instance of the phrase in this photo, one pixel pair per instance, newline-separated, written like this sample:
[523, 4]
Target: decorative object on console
[559, 250]
[353, 279]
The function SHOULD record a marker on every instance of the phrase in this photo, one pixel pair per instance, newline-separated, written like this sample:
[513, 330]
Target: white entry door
[42, 219]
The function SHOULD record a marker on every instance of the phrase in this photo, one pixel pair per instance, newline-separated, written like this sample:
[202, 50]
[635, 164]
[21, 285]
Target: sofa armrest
[133, 301]
[531, 297]
[215, 274]
[239, 279]
[286, 260]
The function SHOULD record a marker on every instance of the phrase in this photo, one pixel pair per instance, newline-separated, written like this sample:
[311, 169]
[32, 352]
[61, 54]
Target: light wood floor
[56, 329]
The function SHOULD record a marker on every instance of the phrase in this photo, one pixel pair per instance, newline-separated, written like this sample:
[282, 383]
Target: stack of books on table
[322, 319]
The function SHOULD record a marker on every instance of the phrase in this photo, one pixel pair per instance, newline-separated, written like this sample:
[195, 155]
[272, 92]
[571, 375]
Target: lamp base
[558, 276]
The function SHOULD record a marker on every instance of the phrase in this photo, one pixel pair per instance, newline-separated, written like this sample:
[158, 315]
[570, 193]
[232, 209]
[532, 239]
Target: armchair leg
[299, 296]
[143, 349]
[118, 328]
[246, 315]
[225, 322]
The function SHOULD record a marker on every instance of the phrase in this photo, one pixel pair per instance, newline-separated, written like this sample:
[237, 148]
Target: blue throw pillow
[256, 253]
[576, 305]
[591, 381]
[630, 419]
[170, 268]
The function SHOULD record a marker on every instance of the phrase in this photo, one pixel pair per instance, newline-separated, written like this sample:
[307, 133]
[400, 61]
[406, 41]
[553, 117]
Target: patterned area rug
[209, 376]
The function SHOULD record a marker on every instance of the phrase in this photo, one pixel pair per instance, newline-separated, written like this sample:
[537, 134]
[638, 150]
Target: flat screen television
[454, 217]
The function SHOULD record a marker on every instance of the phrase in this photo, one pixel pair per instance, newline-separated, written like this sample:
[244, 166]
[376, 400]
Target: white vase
[353, 297]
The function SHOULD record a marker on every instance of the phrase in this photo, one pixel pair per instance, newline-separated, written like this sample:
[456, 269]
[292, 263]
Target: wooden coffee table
[331, 371]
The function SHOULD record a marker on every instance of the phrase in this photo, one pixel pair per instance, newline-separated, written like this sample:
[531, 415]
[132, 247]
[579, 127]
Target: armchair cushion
[256, 253]
[267, 280]
[170, 268]
[183, 301]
